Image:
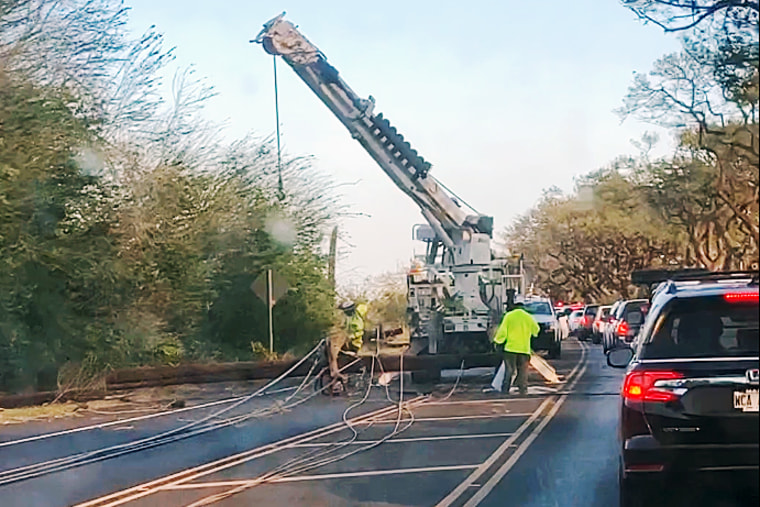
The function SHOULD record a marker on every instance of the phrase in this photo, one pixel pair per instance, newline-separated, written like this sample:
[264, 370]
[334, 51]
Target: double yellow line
[459, 494]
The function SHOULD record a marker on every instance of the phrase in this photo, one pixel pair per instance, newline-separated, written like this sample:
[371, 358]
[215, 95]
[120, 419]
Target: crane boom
[454, 302]
[406, 168]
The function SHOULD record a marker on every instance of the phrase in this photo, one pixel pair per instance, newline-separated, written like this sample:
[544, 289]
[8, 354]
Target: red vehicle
[589, 314]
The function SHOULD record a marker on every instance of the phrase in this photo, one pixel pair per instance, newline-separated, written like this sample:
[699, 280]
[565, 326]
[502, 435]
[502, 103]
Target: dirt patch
[131, 403]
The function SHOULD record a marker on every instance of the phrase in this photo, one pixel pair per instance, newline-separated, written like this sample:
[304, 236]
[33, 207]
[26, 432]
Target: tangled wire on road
[206, 424]
[327, 454]
[308, 461]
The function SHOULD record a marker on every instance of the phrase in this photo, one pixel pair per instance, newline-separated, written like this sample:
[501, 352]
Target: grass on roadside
[37, 413]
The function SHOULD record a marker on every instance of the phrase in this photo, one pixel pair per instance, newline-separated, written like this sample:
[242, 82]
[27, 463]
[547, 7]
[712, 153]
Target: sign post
[269, 288]
[270, 305]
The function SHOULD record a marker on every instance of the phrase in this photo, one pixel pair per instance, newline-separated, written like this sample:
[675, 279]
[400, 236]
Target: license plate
[747, 401]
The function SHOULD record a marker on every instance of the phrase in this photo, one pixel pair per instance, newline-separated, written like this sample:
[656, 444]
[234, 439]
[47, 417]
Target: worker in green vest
[515, 331]
[355, 317]
[346, 336]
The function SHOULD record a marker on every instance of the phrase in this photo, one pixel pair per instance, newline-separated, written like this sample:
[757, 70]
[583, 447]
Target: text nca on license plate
[747, 401]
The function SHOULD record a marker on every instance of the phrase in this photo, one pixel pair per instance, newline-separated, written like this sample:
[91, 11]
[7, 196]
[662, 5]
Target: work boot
[337, 388]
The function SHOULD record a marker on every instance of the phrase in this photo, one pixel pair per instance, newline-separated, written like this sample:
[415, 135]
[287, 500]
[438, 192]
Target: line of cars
[608, 325]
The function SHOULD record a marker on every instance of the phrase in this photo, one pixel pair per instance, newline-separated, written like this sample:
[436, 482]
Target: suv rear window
[704, 327]
[637, 306]
[591, 310]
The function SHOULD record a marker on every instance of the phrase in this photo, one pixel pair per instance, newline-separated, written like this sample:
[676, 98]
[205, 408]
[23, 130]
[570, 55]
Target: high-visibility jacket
[355, 326]
[515, 331]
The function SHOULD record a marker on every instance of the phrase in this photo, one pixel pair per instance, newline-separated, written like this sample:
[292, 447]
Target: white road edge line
[457, 492]
[418, 439]
[320, 477]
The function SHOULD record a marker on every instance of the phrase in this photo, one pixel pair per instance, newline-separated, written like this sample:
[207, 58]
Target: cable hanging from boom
[453, 194]
[280, 188]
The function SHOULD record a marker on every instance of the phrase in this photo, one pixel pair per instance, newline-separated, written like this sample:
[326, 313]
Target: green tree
[710, 186]
[130, 232]
[59, 267]
[585, 245]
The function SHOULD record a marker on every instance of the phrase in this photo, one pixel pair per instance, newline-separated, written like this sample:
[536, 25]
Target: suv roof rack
[654, 276]
[665, 279]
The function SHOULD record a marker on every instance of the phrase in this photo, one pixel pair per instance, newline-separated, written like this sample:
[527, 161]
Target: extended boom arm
[393, 154]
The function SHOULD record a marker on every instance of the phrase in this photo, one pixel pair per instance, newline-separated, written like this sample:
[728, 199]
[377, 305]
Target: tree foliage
[698, 207]
[586, 244]
[130, 233]
[710, 186]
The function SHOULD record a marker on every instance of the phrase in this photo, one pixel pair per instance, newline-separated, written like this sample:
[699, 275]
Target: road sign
[279, 286]
[269, 288]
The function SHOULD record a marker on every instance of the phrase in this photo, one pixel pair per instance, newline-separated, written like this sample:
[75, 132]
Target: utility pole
[331, 257]
[270, 305]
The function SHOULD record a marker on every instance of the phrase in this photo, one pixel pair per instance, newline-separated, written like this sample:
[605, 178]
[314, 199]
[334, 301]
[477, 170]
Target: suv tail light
[639, 386]
[622, 328]
[742, 297]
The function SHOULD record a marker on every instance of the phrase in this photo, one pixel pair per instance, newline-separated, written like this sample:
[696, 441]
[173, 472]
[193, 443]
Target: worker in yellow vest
[515, 331]
[355, 324]
[346, 336]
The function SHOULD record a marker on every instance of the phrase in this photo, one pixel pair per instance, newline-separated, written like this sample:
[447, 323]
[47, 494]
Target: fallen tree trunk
[157, 376]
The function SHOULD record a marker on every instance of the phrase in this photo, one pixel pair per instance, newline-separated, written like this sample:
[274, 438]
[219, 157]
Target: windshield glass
[230, 232]
[538, 308]
[704, 327]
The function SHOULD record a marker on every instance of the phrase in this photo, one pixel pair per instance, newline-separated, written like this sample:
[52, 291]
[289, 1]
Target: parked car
[575, 321]
[609, 326]
[689, 402]
[563, 320]
[597, 327]
[549, 337]
[589, 314]
[628, 320]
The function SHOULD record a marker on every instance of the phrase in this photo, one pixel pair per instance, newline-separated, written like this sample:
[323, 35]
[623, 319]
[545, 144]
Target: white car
[575, 320]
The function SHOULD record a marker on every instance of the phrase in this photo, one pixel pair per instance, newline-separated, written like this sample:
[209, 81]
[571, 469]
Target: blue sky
[505, 98]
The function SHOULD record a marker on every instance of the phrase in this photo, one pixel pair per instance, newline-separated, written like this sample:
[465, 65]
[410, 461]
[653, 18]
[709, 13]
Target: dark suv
[689, 402]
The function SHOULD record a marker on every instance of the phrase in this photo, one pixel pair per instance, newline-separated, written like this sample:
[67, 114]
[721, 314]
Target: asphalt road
[555, 447]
